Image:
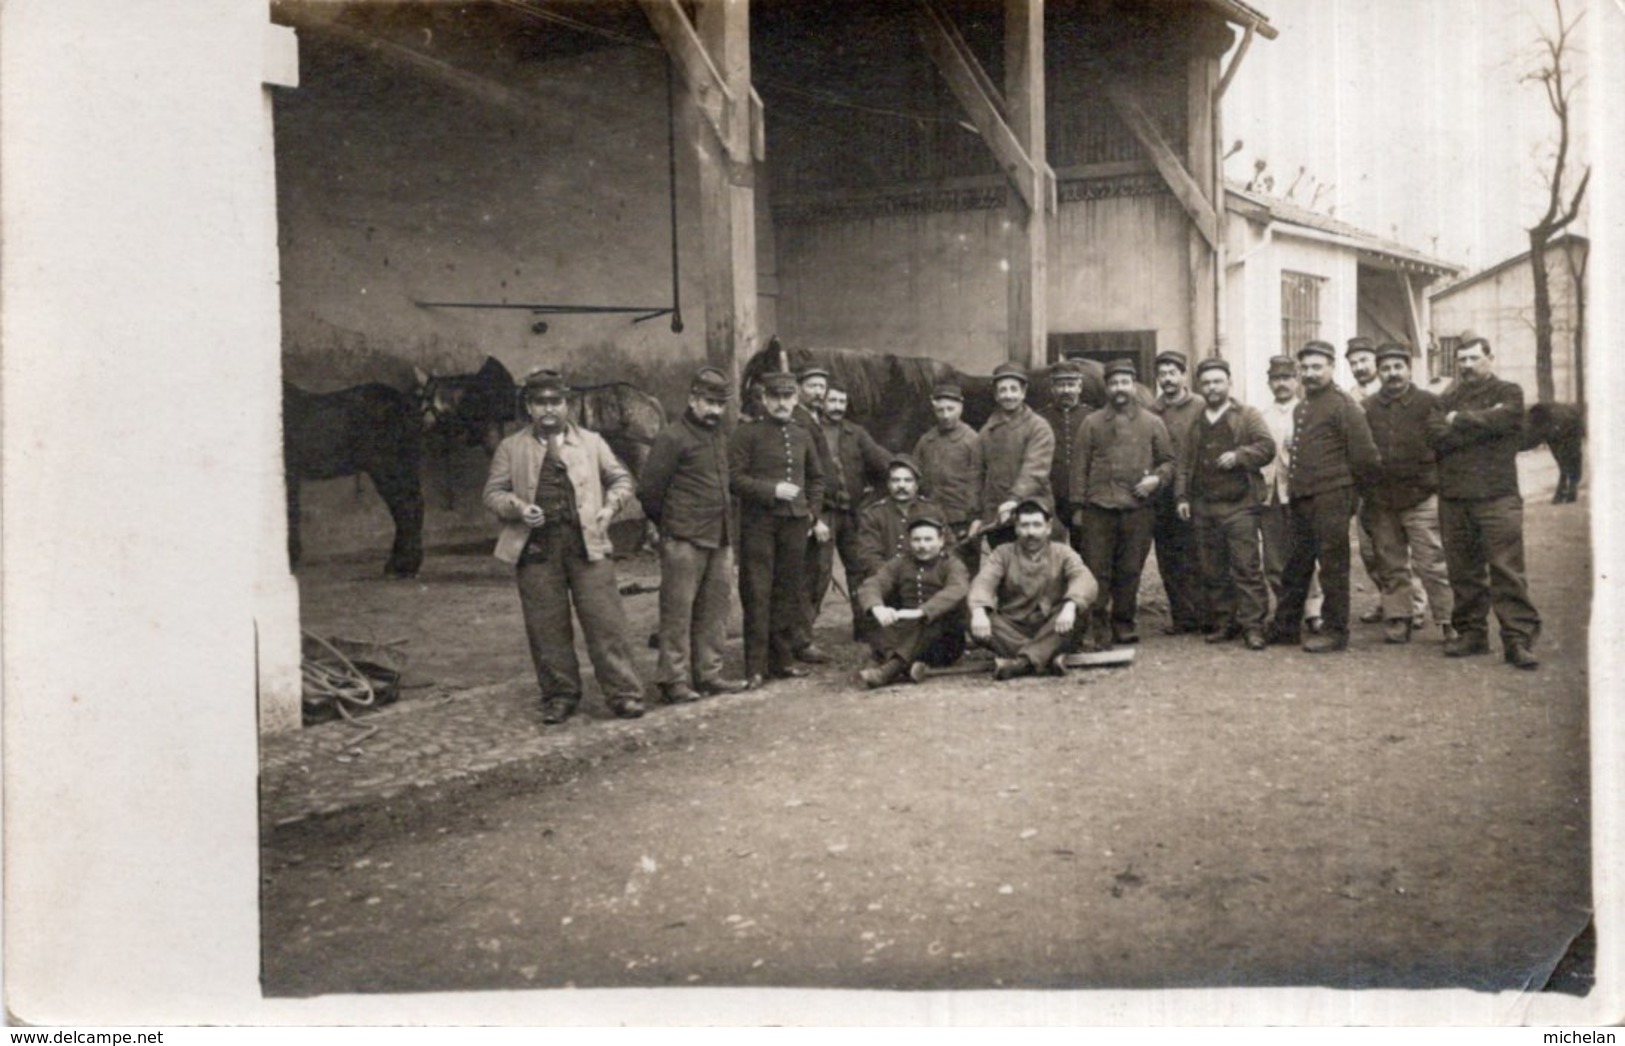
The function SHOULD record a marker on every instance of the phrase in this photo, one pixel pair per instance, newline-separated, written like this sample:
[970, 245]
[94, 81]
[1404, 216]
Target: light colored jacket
[596, 474]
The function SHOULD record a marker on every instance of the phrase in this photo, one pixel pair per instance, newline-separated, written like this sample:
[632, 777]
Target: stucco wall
[1502, 308]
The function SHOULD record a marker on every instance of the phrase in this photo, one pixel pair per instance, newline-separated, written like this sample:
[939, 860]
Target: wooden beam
[444, 73]
[1027, 297]
[1411, 312]
[711, 89]
[972, 88]
[1184, 187]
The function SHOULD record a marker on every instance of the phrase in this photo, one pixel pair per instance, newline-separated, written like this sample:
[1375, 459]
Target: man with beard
[1018, 447]
[1477, 433]
[555, 486]
[917, 601]
[1402, 509]
[1272, 519]
[685, 493]
[860, 467]
[773, 470]
[1331, 453]
[1025, 599]
[950, 460]
[1122, 458]
[1065, 413]
[1175, 538]
[812, 385]
[1220, 486]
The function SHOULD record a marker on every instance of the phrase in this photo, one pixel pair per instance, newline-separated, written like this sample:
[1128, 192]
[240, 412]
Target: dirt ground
[1209, 816]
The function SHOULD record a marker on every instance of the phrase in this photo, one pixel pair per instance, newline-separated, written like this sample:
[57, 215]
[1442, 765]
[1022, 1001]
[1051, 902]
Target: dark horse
[1562, 427]
[891, 395]
[476, 410]
[370, 429]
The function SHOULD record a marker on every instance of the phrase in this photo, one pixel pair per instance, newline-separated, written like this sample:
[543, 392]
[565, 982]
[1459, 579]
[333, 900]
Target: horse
[476, 410]
[1561, 426]
[890, 395]
[372, 429]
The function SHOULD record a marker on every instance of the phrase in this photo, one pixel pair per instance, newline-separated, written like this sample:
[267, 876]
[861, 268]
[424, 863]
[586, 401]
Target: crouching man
[918, 600]
[1024, 601]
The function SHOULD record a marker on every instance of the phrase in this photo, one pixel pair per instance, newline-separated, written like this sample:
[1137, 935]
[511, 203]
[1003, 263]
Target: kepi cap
[1318, 348]
[1068, 368]
[779, 382]
[1392, 350]
[545, 381]
[710, 383]
[812, 370]
[1127, 367]
[1212, 363]
[1173, 356]
[905, 460]
[948, 391]
[1283, 367]
[1031, 505]
[1360, 343]
[1010, 369]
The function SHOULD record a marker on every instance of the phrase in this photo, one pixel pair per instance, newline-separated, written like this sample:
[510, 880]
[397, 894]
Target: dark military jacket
[764, 453]
[683, 485]
[883, 530]
[1064, 421]
[1331, 445]
[1478, 453]
[951, 470]
[1399, 428]
[938, 587]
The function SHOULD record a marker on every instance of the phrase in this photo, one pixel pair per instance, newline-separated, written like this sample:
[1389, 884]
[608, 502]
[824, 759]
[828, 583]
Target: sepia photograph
[1085, 508]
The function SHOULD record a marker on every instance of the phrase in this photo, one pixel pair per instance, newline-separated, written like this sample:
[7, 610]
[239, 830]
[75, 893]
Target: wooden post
[1202, 80]
[1028, 239]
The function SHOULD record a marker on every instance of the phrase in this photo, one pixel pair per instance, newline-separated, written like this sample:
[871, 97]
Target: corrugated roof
[1260, 207]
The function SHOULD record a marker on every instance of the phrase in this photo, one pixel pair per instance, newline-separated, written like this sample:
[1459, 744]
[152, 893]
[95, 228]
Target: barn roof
[1389, 253]
[1512, 262]
[1244, 15]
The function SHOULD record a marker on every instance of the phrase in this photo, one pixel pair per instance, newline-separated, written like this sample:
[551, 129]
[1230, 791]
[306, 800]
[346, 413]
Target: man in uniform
[773, 470]
[917, 602]
[1018, 447]
[883, 526]
[1361, 355]
[812, 385]
[555, 487]
[859, 465]
[1477, 432]
[1273, 517]
[1331, 453]
[1401, 509]
[950, 460]
[1220, 486]
[685, 493]
[1065, 413]
[1026, 597]
[1122, 458]
[1175, 538]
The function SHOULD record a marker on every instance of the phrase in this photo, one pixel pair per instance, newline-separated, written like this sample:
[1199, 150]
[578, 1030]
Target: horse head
[471, 408]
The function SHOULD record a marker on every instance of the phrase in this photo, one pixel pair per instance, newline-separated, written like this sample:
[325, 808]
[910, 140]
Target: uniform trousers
[1275, 534]
[937, 643]
[772, 555]
[1319, 535]
[1232, 569]
[1410, 552]
[1115, 544]
[1037, 641]
[820, 572]
[1177, 563]
[1483, 548]
[693, 611]
[1370, 558]
[546, 591]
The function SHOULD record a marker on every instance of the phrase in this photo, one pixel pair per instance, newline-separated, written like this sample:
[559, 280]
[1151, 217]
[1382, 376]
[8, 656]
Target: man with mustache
[1402, 508]
[1273, 517]
[685, 493]
[1122, 458]
[1025, 599]
[555, 486]
[859, 465]
[812, 385]
[1477, 433]
[1361, 355]
[1331, 453]
[883, 527]
[1065, 413]
[1175, 538]
[1220, 486]
[773, 470]
[917, 602]
[1017, 446]
[950, 460]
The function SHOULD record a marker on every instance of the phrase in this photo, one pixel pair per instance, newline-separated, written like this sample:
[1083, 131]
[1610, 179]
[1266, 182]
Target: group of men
[1028, 537]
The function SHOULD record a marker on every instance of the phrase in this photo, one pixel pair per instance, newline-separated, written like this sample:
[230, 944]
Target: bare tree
[1561, 208]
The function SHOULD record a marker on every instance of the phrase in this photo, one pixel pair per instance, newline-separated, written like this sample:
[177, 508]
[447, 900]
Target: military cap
[1469, 339]
[1010, 369]
[924, 520]
[948, 391]
[1212, 363]
[812, 370]
[905, 460]
[1173, 356]
[545, 382]
[1391, 350]
[1283, 367]
[1360, 343]
[1067, 368]
[835, 386]
[1318, 348]
[779, 382]
[1127, 367]
[710, 383]
[1031, 505]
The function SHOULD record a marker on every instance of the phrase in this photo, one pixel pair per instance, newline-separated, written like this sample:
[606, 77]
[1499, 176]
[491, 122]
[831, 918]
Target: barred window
[1300, 310]
[1442, 358]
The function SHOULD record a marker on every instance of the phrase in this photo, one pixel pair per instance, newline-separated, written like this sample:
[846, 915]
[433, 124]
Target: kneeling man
[918, 600]
[1025, 599]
